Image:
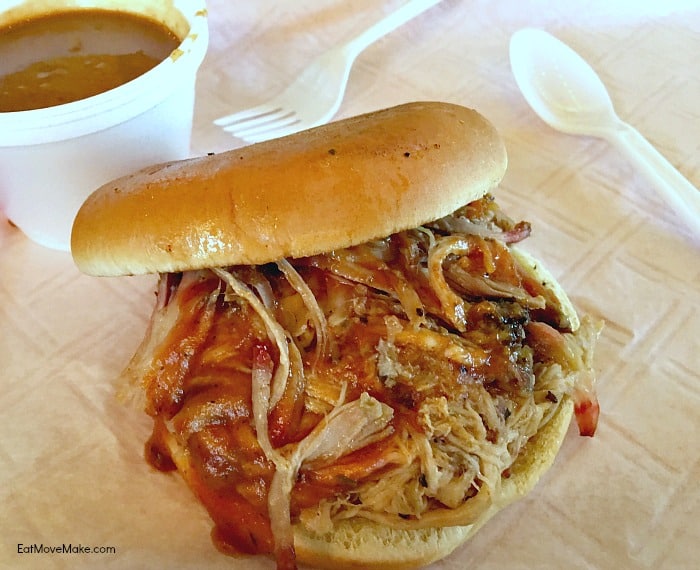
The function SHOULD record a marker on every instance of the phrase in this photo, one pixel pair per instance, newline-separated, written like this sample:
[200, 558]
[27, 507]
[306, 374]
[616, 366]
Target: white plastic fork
[315, 96]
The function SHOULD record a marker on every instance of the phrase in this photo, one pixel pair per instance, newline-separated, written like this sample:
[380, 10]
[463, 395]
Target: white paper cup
[51, 159]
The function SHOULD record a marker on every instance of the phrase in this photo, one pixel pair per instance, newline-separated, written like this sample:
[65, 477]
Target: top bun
[325, 188]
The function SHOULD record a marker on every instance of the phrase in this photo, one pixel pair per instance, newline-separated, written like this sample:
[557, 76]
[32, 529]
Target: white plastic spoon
[570, 97]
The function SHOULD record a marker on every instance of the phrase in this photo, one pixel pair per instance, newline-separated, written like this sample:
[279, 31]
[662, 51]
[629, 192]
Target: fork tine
[245, 115]
[275, 133]
[258, 122]
[261, 129]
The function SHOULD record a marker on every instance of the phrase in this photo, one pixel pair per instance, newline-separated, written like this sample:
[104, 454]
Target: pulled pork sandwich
[349, 362]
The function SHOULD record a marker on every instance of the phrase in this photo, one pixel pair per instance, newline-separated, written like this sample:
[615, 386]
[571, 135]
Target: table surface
[71, 467]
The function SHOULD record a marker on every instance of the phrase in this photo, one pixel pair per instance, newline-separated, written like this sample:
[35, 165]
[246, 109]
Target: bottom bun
[363, 544]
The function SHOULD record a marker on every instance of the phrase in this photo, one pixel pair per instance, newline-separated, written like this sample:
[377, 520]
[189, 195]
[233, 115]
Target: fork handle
[409, 10]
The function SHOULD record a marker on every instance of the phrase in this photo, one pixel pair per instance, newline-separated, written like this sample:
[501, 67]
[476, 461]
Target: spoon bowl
[567, 94]
[558, 84]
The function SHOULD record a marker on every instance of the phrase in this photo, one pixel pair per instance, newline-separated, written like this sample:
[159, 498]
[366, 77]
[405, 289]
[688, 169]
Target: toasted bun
[326, 188]
[568, 317]
[356, 544]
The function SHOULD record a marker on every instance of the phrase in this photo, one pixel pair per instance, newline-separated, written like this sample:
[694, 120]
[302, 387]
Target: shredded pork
[395, 381]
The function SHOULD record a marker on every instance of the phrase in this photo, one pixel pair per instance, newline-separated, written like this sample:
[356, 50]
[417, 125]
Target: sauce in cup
[53, 157]
[67, 56]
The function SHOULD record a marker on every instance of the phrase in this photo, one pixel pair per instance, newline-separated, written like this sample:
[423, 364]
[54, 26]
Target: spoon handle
[675, 188]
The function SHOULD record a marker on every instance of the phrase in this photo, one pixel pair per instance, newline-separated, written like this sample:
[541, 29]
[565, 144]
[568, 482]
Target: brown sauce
[68, 56]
